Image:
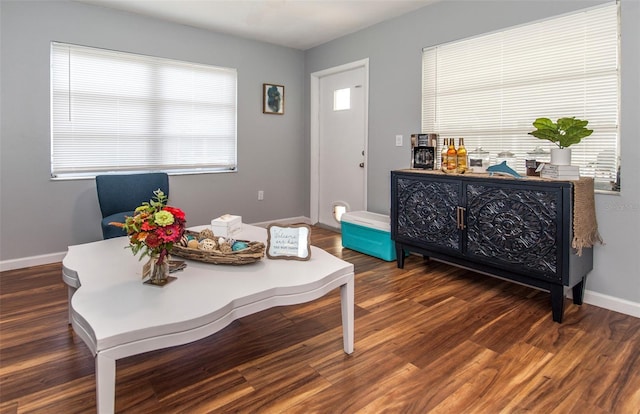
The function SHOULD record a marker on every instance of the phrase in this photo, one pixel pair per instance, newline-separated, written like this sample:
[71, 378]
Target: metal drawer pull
[460, 217]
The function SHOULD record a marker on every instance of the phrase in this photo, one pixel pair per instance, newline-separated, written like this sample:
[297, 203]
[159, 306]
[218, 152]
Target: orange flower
[147, 226]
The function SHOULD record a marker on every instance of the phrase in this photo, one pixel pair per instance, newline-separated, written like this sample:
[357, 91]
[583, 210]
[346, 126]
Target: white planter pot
[561, 156]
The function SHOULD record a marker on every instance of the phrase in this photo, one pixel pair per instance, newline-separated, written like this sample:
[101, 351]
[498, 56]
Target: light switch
[398, 140]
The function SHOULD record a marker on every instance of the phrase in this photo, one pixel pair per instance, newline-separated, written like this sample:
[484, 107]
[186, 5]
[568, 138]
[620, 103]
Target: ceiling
[300, 24]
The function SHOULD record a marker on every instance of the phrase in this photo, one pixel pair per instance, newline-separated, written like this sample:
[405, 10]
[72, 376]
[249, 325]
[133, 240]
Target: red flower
[169, 234]
[177, 213]
[152, 240]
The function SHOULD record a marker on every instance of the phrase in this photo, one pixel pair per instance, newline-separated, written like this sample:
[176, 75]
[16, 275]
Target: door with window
[341, 144]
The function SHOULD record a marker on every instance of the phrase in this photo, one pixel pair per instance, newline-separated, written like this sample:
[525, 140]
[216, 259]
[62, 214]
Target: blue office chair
[119, 195]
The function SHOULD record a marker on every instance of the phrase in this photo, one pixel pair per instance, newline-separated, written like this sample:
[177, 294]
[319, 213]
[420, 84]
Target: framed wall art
[272, 99]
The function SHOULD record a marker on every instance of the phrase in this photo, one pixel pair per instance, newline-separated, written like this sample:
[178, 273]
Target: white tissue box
[226, 225]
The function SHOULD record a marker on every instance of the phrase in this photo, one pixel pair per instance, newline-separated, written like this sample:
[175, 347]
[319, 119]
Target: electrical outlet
[260, 195]
[398, 140]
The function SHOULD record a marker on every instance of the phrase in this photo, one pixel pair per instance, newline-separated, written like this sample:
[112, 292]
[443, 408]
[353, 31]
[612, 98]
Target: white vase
[561, 156]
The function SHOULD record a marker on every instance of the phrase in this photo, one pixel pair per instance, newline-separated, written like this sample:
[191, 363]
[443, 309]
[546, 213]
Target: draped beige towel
[585, 225]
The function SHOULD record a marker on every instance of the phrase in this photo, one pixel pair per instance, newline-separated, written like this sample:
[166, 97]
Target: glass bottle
[443, 155]
[462, 156]
[452, 156]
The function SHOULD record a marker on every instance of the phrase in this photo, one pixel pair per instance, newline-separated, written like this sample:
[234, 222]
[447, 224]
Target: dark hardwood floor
[430, 338]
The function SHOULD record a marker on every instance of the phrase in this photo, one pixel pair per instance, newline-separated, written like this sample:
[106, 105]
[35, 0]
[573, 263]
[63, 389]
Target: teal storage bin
[368, 233]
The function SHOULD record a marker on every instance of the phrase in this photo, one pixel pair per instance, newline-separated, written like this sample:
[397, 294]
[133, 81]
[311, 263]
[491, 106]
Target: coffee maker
[423, 151]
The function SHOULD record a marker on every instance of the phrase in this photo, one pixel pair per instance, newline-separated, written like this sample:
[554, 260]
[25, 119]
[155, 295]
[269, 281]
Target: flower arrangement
[154, 227]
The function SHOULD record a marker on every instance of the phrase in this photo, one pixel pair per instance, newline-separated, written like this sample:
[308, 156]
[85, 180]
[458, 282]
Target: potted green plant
[564, 133]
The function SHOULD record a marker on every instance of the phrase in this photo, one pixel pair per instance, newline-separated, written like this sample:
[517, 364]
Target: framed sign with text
[291, 242]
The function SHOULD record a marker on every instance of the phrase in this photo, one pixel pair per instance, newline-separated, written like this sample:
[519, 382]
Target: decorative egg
[207, 244]
[192, 244]
[225, 247]
[184, 241]
[239, 246]
[206, 234]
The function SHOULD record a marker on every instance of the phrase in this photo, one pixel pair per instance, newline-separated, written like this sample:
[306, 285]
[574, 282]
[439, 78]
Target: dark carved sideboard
[519, 230]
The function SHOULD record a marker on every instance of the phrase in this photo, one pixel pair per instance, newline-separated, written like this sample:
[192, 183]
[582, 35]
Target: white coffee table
[117, 316]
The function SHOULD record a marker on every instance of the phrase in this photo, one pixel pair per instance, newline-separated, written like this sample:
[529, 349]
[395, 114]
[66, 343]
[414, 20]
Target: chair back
[125, 192]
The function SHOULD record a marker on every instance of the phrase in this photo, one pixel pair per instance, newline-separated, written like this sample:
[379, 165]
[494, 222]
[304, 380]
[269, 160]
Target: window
[342, 99]
[121, 112]
[489, 89]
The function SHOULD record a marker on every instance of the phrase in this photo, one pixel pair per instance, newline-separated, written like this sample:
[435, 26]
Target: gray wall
[394, 51]
[39, 216]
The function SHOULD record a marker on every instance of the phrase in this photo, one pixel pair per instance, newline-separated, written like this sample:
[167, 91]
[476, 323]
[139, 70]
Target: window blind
[489, 89]
[116, 111]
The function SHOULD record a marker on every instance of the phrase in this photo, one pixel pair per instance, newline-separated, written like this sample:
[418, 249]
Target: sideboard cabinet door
[426, 212]
[515, 228]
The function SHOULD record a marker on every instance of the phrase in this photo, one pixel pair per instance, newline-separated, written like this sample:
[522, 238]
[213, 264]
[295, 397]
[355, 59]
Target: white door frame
[314, 185]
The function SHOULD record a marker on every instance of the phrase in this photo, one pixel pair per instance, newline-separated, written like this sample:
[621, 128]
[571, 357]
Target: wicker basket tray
[253, 253]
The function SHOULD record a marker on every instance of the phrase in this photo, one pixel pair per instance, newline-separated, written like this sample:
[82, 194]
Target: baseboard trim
[290, 220]
[31, 261]
[612, 303]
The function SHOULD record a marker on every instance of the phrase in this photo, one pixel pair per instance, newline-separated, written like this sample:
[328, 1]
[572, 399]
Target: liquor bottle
[462, 156]
[443, 155]
[452, 156]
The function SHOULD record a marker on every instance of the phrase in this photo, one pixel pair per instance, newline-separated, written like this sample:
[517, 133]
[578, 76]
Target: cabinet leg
[578, 292]
[400, 256]
[557, 302]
